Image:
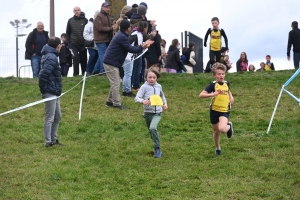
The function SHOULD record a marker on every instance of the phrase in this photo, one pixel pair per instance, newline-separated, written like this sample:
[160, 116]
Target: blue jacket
[118, 48]
[50, 75]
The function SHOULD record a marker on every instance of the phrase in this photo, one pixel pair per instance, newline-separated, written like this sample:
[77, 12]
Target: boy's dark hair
[53, 42]
[191, 44]
[215, 19]
[153, 70]
[294, 24]
[63, 35]
[268, 56]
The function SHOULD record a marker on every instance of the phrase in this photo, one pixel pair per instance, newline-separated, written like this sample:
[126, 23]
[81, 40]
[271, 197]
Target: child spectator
[242, 63]
[251, 68]
[222, 100]
[50, 86]
[215, 40]
[65, 56]
[152, 97]
[227, 63]
[262, 67]
[173, 58]
[190, 61]
[163, 54]
[269, 64]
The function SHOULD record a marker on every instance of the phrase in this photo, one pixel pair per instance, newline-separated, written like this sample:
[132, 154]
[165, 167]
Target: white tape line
[29, 105]
[81, 98]
[38, 102]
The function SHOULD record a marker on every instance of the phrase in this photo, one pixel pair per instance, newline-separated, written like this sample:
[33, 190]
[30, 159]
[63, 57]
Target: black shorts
[214, 116]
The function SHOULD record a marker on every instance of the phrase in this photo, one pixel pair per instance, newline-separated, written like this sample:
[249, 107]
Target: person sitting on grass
[51, 86]
[251, 68]
[222, 100]
[152, 97]
[262, 66]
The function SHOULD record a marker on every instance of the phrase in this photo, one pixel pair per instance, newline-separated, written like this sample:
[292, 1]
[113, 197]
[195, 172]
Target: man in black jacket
[34, 44]
[294, 39]
[51, 86]
[75, 28]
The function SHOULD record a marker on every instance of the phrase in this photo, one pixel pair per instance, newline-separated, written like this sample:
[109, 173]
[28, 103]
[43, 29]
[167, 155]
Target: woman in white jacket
[89, 36]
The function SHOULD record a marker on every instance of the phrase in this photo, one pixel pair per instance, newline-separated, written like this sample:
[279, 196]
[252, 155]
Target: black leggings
[212, 55]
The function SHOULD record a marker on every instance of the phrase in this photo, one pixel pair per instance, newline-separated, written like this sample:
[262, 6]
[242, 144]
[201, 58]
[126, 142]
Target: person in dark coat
[51, 86]
[34, 44]
[173, 58]
[114, 58]
[154, 55]
[74, 32]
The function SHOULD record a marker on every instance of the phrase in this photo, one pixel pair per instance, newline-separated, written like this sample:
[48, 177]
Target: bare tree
[116, 7]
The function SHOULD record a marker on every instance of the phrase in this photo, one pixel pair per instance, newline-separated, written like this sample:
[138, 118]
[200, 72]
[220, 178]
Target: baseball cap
[105, 4]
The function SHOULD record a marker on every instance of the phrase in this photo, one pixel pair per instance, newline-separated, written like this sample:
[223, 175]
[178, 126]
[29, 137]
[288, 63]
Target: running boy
[222, 100]
[153, 98]
[215, 40]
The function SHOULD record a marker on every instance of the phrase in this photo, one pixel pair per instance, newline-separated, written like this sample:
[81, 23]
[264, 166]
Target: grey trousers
[52, 118]
[152, 120]
[113, 76]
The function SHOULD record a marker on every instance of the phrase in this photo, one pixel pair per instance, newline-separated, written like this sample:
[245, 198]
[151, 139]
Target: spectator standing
[242, 63]
[190, 61]
[114, 58]
[294, 39]
[51, 86]
[75, 28]
[269, 64]
[137, 64]
[103, 33]
[34, 44]
[215, 40]
[89, 36]
[154, 52]
[163, 54]
[124, 10]
[65, 56]
[173, 58]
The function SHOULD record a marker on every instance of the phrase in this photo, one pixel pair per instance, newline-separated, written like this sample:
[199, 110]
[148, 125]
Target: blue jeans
[64, 69]
[36, 65]
[99, 64]
[128, 65]
[137, 68]
[296, 60]
[92, 60]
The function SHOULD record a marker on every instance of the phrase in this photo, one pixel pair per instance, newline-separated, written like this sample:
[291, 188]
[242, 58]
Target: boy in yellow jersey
[215, 40]
[221, 102]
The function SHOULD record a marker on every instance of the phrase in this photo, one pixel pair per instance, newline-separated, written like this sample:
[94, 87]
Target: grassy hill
[108, 153]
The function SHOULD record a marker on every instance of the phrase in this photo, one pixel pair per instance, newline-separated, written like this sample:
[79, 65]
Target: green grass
[108, 153]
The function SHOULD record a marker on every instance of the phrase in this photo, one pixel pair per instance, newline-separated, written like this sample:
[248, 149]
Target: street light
[16, 24]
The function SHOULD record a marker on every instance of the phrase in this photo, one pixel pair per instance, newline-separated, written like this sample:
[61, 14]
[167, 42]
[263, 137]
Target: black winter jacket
[154, 51]
[30, 43]
[294, 39]
[173, 58]
[50, 75]
[65, 56]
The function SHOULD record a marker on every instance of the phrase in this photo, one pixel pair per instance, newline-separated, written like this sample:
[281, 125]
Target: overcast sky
[258, 27]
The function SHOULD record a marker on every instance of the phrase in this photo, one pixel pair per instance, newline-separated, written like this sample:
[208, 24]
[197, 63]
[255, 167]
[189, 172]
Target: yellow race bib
[155, 100]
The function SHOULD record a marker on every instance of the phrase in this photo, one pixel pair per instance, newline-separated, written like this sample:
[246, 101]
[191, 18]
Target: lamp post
[16, 24]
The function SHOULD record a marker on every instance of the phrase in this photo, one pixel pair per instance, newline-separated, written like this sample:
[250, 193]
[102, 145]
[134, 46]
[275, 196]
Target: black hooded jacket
[173, 58]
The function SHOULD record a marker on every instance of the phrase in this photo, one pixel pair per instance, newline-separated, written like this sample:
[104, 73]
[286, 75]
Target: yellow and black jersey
[215, 39]
[219, 103]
